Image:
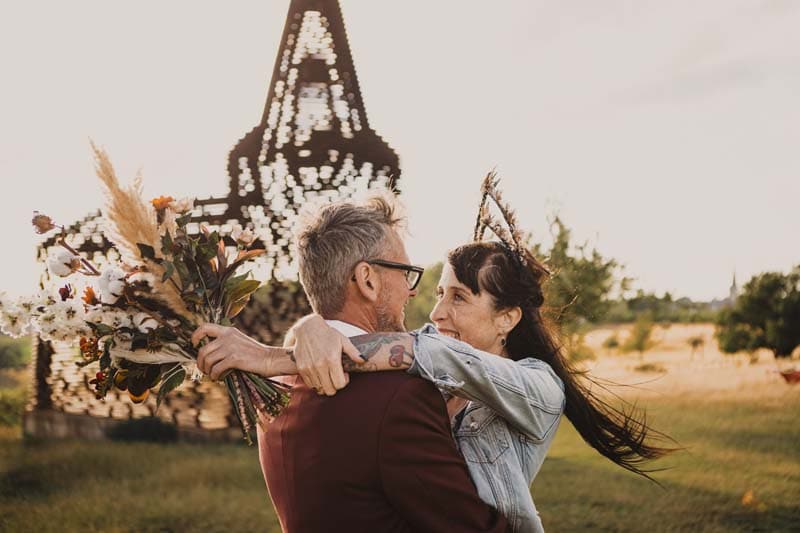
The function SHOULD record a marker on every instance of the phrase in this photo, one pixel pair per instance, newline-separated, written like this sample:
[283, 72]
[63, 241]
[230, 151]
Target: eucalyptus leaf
[166, 243]
[242, 289]
[100, 330]
[172, 382]
[169, 269]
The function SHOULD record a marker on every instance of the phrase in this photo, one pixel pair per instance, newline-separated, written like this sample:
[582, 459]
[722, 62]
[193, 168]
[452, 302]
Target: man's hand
[230, 349]
[318, 352]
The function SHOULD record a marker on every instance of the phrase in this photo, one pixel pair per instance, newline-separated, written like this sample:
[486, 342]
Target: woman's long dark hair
[622, 435]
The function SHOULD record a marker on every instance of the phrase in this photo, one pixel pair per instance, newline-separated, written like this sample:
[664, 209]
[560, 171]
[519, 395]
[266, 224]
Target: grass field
[740, 470]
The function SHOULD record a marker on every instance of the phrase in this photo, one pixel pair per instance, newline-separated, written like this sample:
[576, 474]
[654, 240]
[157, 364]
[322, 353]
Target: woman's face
[468, 317]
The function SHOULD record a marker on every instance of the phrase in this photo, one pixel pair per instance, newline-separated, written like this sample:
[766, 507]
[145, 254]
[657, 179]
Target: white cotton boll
[62, 262]
[144, 322]
[184, 205]
[68, 311]
[94, 313]
[112, 285]
[12, 322]
[43, 299]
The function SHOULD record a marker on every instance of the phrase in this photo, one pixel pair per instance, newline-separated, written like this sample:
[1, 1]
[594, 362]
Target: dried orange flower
[89, 348]
[42, 223]
[162, 202]
[89, 297]
[139, 398]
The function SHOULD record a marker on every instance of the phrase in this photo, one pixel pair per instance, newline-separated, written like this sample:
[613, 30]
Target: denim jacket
[506, 429]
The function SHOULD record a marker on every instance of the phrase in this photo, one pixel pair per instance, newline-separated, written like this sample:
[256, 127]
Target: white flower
[62, 262]
[13, 321]
[245, 237]
[144, 322]
[68, 311]
[111, 285]
[184, 205]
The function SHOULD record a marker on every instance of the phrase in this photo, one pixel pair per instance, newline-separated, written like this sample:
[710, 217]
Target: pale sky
[667, 133]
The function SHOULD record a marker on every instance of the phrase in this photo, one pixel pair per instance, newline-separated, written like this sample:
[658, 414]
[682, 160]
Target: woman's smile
[450, 333]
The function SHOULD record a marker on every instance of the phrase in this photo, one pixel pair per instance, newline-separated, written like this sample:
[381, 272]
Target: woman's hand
[318, 350]
[230, 349]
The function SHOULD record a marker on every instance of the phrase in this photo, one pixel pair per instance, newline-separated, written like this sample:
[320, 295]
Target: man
[379, 455]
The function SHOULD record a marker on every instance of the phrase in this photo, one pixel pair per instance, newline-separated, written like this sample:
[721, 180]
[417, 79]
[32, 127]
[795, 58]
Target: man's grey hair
[332, 239]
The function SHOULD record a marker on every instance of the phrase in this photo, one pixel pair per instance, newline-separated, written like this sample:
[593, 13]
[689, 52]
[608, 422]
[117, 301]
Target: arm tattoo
[371, 344]
[290, 353]
[381, 351]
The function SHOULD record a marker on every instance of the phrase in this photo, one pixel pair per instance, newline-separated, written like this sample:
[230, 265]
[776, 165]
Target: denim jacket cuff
[423, 365]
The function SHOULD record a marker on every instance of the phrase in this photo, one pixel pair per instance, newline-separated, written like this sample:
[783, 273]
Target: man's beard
[387, 321]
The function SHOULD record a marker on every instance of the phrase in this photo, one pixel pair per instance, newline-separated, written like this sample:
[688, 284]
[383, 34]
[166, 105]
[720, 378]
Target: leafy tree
[697, 342]
[765, 315]
[640, 339]
[583, 279]
[611, 343]
[14, 353]
[420, 306]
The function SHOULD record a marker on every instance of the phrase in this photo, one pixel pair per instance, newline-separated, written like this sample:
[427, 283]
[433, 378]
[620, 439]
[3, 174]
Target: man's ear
[366, 281]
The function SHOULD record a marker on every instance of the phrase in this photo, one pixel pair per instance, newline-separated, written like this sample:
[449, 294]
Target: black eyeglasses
[413, 273]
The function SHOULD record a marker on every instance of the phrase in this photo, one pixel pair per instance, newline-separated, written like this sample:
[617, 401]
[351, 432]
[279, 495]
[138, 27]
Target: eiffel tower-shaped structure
[313, 140]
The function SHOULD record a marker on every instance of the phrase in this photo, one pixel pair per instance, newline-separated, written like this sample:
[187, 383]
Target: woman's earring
[503, 341]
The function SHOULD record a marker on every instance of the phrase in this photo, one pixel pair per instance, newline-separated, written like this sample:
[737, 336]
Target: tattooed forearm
[371, 344]
[382, 351]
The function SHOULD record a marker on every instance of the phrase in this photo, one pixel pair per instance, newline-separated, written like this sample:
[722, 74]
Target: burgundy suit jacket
[376, 457]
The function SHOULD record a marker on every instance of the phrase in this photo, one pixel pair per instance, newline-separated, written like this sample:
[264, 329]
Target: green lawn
[733, 446]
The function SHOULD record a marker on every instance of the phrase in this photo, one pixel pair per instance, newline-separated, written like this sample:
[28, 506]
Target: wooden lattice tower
[313, 141]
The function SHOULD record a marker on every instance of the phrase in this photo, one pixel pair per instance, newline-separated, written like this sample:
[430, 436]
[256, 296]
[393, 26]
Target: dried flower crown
[509, 234]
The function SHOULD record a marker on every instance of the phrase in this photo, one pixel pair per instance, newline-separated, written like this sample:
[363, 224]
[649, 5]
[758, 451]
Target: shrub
[14, 353]
[611, 343]
[639, 339]
[650, 367]
[12, 403]
[148, 429]
[765, 315]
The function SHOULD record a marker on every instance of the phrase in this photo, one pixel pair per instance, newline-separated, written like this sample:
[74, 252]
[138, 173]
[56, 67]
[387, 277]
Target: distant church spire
[733, 293]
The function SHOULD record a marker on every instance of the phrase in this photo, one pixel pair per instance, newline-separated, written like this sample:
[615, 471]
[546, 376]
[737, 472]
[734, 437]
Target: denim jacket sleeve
[527, 393]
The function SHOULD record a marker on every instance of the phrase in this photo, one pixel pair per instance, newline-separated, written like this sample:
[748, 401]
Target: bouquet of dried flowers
[137, 316]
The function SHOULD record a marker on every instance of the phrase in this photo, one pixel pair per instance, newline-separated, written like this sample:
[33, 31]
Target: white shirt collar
[348, 330]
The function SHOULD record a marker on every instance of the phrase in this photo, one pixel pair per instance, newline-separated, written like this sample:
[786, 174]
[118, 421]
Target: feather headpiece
[509, 234]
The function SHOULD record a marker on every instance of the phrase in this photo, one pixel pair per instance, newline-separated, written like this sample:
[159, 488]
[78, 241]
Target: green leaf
[183, 272]
[146, 251]
[242, 289]
[166, 243]
[169, 269]
[105, 359]
[183, 220]
[231, 282]
[100, 330]
[173, 380]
